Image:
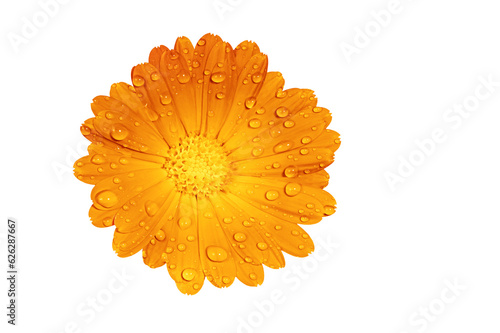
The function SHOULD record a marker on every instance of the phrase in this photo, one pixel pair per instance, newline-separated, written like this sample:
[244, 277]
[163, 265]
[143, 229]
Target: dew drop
[155, 76]
[280, 93]
[98, 159]
[250, 102]
[183, 76]
[262, 246]
[282, 112]
[188, 274]
[291, 171]
[201, 42]
[257, 151]
[119, 132]
[85, 130]
[181, 247]
[165, 99]
[218, 77]
[257, 77]
[292, 189]
[306, 139]
[160, 235]
[329, 210]
[289, 124]
[220, 95]
[138, 81]
[151, 208]
[217, 254]
[184, 222]
[283, 146]
[239, 237]
[254, 123]
[253, 276]
[106, 198]
[226, 280]
[272, 195]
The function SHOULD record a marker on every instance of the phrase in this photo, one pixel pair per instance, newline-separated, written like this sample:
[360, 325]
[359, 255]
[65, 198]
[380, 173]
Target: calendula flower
[207, 165]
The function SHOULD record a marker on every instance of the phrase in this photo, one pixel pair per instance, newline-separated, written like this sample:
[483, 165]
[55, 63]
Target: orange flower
[207, 165]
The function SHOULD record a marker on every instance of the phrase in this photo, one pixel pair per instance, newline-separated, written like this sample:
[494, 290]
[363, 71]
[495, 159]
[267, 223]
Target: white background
[396, 247]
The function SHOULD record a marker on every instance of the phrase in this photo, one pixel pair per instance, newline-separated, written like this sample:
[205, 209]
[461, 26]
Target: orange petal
[153, 88]
[142, 216]
[215, 252]
[247, 89]
[185, 48]
[289, 237]
[287, 200]
[131, 132]
[183, 251]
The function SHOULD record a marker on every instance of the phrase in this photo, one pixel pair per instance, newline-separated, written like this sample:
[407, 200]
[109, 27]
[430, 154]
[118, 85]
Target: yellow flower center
[198, 165]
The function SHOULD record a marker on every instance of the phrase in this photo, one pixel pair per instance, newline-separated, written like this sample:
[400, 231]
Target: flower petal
[289, 237]
[103, 162]
[246, 90]
[288, 200]
[153, 88]
[215, 251]
[274, 258]
[183, 255]
[142, 216]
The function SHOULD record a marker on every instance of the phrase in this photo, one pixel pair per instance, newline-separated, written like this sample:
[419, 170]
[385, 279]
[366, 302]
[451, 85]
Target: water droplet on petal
[188, 274]
[292, 189]
[151, 208]
[119, 132]
[184, 222]
[226, 280]
[272, 195]
[165, 99]
[138, 81]
[218, 77]
[262, 246]
[254, 123]
[239, 237]
[280, 93]
[155, 76]
[329, 210]
[282, 112]
[98, 159]
[291, 171]
[181, 247]
[257, 77]
[289, 123]
[250, 102]
[216, 253]
[106, 198]
[253, 276]
[85, 130]
[306, 139]
[220, 95]
[201, 42]
[183, 76]
[160, 235]
[283, 146]
[257, 151]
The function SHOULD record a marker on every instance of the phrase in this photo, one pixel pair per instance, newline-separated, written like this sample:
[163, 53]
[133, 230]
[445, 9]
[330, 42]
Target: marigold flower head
[207, 164]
